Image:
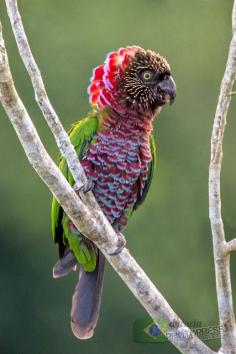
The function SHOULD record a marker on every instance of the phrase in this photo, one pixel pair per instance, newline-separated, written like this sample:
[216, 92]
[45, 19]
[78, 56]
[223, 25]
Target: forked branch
[221, 248]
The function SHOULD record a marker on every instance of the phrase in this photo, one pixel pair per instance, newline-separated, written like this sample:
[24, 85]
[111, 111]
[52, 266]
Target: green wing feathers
[151, 169]
[80, 134]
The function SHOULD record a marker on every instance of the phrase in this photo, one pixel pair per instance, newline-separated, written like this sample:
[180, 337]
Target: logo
[159, 331]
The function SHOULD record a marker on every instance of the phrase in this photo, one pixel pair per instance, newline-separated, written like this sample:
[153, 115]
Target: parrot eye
[147, 75]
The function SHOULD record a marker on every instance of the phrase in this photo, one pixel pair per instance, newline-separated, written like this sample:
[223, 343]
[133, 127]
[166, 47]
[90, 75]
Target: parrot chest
[117, 163]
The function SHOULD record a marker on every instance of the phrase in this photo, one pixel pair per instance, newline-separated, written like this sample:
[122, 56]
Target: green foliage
[170, 235]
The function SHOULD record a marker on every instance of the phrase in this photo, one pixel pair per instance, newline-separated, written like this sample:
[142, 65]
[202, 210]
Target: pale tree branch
[49, 114]
[90, 220]
[41, 96]
[231, 246]
[61, 137]
[221, 255]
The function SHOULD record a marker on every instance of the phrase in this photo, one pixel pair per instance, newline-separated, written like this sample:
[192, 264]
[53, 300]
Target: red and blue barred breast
[117, 163]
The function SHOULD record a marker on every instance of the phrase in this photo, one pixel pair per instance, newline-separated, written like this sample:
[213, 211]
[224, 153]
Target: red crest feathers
[105, 76]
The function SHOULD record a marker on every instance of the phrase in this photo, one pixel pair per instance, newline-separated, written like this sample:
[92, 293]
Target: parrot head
[132, 80]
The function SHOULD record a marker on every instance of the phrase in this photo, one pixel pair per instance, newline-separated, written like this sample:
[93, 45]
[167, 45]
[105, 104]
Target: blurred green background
[170, 236]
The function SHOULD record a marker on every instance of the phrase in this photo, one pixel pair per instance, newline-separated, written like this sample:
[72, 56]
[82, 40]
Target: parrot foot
[120, 244]
[86, 187]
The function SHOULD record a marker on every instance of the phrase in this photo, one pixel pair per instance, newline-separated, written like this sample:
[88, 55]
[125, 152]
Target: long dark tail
[86, 300]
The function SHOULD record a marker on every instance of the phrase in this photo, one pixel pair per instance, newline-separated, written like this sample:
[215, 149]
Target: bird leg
[85, 188]
[120, 244]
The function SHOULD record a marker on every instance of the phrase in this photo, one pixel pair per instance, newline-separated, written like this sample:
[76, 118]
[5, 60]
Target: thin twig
[222, 258]
[231, 246]
[88, 221]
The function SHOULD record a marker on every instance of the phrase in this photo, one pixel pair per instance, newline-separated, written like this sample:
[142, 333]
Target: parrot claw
[86, 187]
[120, 244]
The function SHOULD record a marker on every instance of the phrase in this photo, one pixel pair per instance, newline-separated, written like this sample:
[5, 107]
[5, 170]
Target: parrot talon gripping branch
[120, 244]
[117, 151]
[85, 188]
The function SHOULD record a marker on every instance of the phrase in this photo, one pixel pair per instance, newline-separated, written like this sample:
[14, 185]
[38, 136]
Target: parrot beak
[168, 86]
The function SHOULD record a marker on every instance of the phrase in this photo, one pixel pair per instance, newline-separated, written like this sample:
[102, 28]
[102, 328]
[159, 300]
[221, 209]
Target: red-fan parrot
[115, 145]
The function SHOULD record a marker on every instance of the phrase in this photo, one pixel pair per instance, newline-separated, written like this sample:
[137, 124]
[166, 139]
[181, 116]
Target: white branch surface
[89, 220]
[221, 248]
